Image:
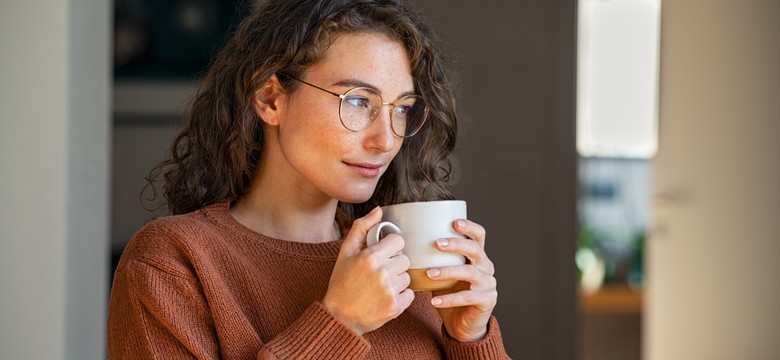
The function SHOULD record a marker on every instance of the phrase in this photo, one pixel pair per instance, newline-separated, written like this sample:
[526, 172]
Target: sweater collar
[219, 214]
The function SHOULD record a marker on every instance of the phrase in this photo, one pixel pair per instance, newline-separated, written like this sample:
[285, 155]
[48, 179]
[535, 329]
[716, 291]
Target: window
[617, 81]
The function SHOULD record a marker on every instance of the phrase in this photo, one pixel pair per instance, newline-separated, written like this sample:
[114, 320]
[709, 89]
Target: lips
[368, 170]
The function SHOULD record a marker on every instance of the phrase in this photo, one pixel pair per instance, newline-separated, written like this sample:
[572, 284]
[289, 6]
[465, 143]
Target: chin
[354, 198]
[356, 195]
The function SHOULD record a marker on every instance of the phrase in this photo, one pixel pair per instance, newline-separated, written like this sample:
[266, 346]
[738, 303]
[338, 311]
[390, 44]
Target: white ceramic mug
[421, 224]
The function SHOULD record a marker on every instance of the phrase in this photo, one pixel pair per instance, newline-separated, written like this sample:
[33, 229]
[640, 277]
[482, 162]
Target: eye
[403, 109]
[357, 101]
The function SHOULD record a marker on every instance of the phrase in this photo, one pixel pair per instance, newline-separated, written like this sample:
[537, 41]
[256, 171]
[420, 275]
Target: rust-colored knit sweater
[203, 286]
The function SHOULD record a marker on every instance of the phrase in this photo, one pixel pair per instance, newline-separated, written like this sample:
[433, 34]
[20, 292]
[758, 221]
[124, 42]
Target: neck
[310, 224]
[277, 207]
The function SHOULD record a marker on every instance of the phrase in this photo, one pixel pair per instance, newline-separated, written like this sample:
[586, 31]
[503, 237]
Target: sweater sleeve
[489, 348]
[154, 314]
[316, 335]
[158, 310]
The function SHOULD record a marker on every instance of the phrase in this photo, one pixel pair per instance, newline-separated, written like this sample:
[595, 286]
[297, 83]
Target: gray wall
[54, 136]
[517, 158]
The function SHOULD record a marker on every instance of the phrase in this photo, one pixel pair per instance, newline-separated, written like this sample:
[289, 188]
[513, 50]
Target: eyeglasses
[360, 107]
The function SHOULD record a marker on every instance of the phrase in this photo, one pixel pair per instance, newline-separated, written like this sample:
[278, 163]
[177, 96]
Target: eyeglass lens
[360, 107]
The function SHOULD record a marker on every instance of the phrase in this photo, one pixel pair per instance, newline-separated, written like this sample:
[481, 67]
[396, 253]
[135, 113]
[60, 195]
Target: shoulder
[170, 243]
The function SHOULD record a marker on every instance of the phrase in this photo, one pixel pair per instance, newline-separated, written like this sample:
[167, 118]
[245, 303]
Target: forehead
[370, 57]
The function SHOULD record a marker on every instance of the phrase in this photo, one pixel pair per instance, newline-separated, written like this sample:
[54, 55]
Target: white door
[713, 261]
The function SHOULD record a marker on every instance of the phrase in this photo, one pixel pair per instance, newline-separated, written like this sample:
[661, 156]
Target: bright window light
[617, 78]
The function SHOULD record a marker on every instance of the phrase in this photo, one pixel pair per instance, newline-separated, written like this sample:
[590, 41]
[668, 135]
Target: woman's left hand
[466, 309]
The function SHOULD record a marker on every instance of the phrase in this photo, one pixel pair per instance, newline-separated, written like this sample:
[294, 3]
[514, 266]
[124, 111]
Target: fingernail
[432, 273]
[436, 301]
[461, 223]
[443, 242]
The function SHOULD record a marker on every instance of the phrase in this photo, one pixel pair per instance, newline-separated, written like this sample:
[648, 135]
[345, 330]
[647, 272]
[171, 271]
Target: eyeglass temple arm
[315, 86]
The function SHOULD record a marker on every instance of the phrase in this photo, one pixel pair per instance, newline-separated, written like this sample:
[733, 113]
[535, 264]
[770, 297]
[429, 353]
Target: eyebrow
[352, 83]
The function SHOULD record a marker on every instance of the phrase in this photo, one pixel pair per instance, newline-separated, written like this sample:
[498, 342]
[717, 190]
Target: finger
[471, 249]
[399, 264]
[401, 282]
[471, 229]
[405, 298]
[400, 302]
[478, 279]
[356, 238]
[390, 246]
[483, 300]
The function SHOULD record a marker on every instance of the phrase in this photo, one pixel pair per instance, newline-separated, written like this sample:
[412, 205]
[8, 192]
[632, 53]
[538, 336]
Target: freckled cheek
[301, 122]
[318, 138]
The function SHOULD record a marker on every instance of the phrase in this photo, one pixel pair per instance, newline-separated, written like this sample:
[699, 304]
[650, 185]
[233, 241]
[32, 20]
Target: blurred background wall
[711, 289]
[713, 276]
[516, 62]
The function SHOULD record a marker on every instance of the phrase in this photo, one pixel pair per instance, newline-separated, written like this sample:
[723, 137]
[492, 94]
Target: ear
[268, 101]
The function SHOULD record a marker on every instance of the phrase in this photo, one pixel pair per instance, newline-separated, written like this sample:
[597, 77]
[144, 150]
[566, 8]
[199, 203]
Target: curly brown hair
[215, 155]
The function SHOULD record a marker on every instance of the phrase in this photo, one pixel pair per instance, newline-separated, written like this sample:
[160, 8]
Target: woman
[314, 113]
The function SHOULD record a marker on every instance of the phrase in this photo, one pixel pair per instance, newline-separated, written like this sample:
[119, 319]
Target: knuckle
[394, 240]
[490, 268]
[480, 230]
[472, 270]
[396, 307]
[384, 276]
[361, 223]
[492, 283]
[493, 298]
[475, 248]
[468, 297]
[405, 261]
[477, 229]
[389, 238]
[369, 262]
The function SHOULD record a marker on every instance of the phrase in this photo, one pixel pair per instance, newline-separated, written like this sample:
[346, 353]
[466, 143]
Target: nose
[380, 136]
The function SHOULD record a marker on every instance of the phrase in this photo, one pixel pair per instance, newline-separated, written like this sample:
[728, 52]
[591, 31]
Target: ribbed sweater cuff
[489, 348]
[318, 335]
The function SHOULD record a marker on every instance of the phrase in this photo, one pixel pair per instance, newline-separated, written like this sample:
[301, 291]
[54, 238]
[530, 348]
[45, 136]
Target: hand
[466, 309]
[369, 285]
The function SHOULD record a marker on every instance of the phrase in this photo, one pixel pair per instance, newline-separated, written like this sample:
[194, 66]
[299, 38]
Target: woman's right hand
[369, 285]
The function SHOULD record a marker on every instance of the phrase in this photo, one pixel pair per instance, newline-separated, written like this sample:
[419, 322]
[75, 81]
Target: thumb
[356, 238]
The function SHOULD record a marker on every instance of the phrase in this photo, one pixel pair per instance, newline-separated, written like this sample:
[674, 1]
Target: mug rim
[425, 202]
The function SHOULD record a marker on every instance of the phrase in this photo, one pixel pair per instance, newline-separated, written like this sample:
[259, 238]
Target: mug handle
[373, 234]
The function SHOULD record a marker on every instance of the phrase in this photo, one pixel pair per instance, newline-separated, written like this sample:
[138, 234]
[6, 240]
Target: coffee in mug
[421, 224]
